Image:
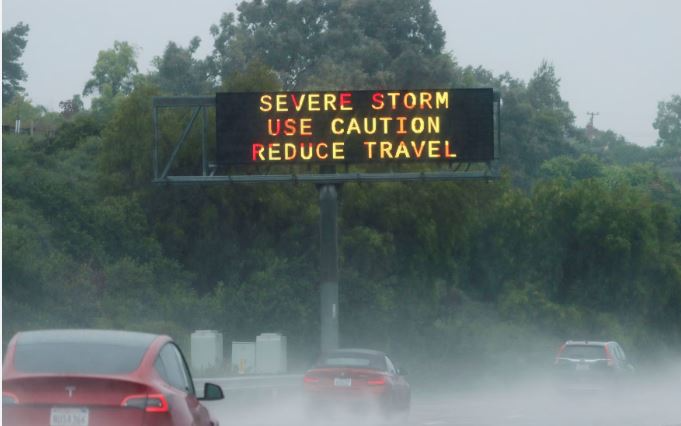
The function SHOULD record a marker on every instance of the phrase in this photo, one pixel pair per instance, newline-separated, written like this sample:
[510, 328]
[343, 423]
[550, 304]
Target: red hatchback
[99, 378]
[359, 380]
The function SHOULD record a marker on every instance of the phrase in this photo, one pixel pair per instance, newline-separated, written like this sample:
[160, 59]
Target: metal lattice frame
[328, 189]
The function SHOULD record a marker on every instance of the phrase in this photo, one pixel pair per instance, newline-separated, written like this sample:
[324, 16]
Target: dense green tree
[35, 117]
[113, 72]
[256, 77]
[178, 72]
[668, 124]
[75, 131]
[73, 258]
[22, 108]
[113, 77]
[128, 135]
[611, 147]
[71, 107]
[14, 42]
[570, 169]
[537, 121]
[601, 236]
[336, 43]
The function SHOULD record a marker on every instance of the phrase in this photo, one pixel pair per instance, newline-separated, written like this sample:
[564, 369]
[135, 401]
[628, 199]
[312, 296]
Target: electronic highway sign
[355, 127]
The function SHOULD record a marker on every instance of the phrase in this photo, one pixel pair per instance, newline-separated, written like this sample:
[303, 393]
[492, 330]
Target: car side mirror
[212, 392]
[402, 371]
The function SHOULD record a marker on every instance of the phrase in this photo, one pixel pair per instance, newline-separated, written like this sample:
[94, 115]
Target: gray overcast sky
[615, 57]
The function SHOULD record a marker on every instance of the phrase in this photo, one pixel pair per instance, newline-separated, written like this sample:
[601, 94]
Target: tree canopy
[178, 72]
[113, 72]
[14, 42]
[334, 43]
[668, 123]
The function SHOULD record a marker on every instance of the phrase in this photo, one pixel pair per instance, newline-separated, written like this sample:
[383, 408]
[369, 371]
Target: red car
[359, 380]
[99, 378]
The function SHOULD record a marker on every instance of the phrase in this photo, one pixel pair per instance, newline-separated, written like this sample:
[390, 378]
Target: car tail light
[8, 398]
[310, 379]
[608, 356]
[379, 381]
[152, 403]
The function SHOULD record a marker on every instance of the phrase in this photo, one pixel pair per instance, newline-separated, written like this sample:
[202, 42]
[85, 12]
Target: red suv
[99, 378]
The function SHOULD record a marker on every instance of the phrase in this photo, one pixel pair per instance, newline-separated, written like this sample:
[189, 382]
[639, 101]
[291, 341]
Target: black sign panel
[355, 127]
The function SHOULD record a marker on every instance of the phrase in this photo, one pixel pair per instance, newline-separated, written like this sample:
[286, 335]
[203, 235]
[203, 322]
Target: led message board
[355, 127]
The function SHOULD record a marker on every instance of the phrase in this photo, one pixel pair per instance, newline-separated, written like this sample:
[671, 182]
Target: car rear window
[353, 360]
[77, 357]
[583, 352]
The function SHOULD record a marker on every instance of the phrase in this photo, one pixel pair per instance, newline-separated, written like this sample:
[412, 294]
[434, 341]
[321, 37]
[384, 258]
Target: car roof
[356, 351]
[587, 342]
[112, 337]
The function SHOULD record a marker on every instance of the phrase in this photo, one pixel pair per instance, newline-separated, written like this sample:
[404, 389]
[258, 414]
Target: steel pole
[328, 221]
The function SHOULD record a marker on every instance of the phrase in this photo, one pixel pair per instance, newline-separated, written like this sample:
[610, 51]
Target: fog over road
[648, 404]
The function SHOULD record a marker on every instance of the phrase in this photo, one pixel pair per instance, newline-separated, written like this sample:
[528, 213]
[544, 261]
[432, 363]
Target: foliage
[73, 258]
[75, 131]
[179, 73]
[612, 148]
[256, 77]
[668, 124]
[113, 71]
[332, 43]
[128, 133]
[35, 117]
[14, 42]
[22, 108]
[113, 77]
[537, 122]
[71, 107]
[572, 169]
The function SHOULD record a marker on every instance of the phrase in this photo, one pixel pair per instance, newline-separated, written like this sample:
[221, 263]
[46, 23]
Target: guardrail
[263, 383]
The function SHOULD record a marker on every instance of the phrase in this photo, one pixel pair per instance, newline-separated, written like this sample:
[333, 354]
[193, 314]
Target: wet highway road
[513, 406]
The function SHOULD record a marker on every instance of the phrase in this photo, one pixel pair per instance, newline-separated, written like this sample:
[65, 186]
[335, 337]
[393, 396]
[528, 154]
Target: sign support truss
[328, 183]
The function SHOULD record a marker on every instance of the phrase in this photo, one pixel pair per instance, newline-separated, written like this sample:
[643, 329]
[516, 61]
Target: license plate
[69, 416]
[342, 382]
[582, 367]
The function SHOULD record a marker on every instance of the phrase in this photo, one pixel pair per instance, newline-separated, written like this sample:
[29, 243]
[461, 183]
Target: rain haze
[303, 225]
[616, 58]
